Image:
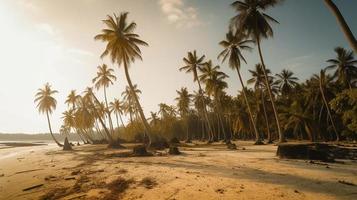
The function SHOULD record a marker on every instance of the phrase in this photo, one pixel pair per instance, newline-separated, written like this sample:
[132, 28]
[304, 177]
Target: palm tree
[122, 45]
[345, 67]
[117, 107]
[153, 119]
[46, 103]
[252, 21]
[193, 64]
[343, 24]
[286, 81]
[215, 85]
[259, 84]
[92, 101]
[324, 81]
[103, 79]
[72, 99]
[233, 47]
[183, 105]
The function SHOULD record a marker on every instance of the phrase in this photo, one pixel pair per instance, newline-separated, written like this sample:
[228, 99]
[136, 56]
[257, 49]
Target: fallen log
[32, 187]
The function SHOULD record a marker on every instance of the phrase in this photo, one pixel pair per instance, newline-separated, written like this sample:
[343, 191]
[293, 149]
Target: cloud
[179, 14]
[28, 5]
[46, 28]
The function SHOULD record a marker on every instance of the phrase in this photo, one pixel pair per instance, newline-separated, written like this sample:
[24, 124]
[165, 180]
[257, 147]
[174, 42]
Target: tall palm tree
[259, 84]
[122, 45]
[46, 103]
[103, 79]
[193, 64]
[252, 21]
[343, 24]
[345, 67]
[215, 85]
[286, 81]
[92, 102]
[183, 105]
[233, 47]
[117, 108]
[324, 82]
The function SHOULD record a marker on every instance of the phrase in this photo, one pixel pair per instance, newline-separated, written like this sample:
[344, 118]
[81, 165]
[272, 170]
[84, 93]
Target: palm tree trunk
[257, 137]
[266, 117]
[281, 135]
[343, 24]
[329, 112]
[108, 112]
[49, 126]
[204, 107]
[116, 116]
[121, 120]
[141, 112]
[110, 138]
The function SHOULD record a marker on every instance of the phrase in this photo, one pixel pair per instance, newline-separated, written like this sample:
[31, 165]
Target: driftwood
[32, 187]
[32, 170]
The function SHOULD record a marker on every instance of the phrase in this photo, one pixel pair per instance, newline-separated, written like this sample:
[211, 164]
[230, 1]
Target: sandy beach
[201, 172]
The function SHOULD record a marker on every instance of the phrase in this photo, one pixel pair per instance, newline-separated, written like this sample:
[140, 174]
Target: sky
[52, 41]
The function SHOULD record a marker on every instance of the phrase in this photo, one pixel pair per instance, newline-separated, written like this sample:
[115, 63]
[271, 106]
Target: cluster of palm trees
[273, 108]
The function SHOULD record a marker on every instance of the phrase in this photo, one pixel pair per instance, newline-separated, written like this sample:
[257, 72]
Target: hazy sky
[52, 41]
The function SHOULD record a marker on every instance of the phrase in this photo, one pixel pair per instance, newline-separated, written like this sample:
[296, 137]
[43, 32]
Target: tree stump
[67, 146]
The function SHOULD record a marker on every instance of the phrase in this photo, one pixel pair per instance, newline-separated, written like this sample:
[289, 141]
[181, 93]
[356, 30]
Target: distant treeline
[34, 137]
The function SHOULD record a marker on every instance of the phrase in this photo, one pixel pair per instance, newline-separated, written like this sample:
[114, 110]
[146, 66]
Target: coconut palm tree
[193, 64]
[215, 85]
[286, 81]
[253, 22]
[343, 24]
[117, 108]
[259, 85]
[345, 67]
[233, 47]
[46, 103]
[122, 45]
[103, 79]
[324, 81]
[183, 105]
[72, 99]
[92, 102]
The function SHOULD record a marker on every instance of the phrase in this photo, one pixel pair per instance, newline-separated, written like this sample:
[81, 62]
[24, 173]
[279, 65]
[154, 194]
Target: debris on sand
[347, 183]
[76, 172]
[56, 193]
[220, 190]
[117, 187]
[148, 182]
[2, 175]
[50, 178]
[232, 146]
[32, 170]
[32, 187]
[174, 151]
[141, 151]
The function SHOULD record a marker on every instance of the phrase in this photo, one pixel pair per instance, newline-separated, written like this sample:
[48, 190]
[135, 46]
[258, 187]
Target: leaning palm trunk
[329, 112]
[343, 24]
[281, 135]
[257, 137]
[109, 136]
[108, 112]
[49, 126]
[141, 112]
